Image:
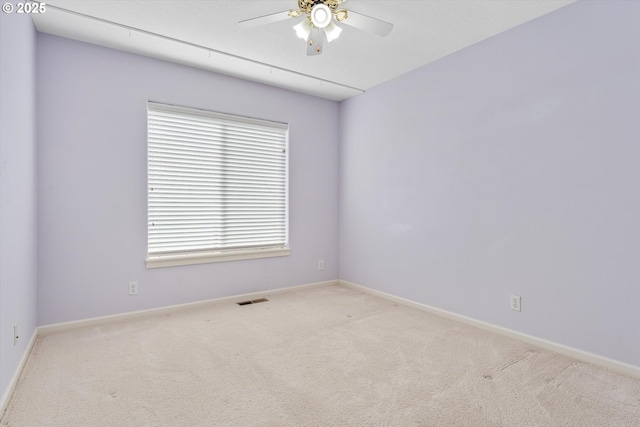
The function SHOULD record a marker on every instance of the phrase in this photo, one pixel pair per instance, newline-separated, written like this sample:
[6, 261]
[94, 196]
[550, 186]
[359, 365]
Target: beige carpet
[329, 356]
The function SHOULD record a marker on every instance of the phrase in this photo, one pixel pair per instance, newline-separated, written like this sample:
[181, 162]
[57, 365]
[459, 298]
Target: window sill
[207, 257]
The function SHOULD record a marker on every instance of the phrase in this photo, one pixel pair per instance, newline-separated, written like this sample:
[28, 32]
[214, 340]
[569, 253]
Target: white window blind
[217, 183]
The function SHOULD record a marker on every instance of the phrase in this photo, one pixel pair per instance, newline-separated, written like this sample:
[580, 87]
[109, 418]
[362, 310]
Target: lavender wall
[18, 279]
[511, 167]
[92, 182]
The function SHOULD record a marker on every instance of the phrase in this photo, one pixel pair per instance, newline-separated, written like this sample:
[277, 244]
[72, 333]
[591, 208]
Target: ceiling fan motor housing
[307, 5]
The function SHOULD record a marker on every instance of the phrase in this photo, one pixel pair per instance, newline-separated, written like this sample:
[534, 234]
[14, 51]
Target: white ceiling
[206, 34]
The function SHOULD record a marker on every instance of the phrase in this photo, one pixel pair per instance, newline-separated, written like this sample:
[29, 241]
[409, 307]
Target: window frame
[188, 257]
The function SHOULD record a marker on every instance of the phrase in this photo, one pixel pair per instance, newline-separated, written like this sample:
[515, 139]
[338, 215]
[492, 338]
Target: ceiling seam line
[230, 55]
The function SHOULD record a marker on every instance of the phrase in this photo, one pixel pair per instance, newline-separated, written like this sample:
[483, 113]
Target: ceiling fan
[319, 22]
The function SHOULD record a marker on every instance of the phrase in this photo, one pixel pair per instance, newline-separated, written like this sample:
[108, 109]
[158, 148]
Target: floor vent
[255, 301]
[244, 303]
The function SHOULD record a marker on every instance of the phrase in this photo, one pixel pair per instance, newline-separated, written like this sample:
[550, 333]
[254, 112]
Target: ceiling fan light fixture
[303, 29]
[321, 15]
[321, 22]
[332, 32]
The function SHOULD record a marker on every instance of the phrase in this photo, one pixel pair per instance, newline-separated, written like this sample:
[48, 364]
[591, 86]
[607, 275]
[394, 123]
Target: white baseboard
[611, 364]
[4, 401]
[57, 327]
[584, 356]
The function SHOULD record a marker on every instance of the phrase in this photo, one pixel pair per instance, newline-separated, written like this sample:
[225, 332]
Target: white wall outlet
[515, 302]
[15, 335]
[133, 288]
[320, 265]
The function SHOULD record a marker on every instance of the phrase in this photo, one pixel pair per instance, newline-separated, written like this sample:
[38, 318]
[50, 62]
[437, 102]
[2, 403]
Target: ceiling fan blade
[367, 23]
[315, 42]
[264, 20]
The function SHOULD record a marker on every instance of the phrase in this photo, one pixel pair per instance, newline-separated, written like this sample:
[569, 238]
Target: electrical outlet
[15, 335]
[320, 265]
[133, 288]
[515, 302]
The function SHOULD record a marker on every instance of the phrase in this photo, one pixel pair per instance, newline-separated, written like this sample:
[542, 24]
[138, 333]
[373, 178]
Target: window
[217, 187]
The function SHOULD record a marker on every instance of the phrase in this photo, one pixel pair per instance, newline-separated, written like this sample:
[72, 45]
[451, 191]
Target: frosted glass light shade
[321, 15]
[332, 31]
[303, 29]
